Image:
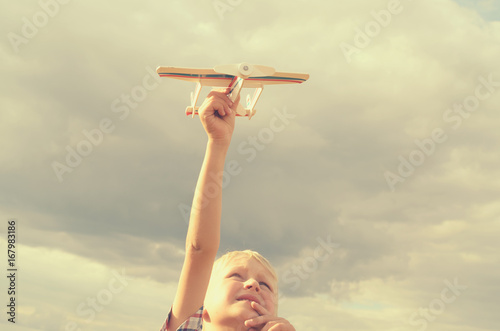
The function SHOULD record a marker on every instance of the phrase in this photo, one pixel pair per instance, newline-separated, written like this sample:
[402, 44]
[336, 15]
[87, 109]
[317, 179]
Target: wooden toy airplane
[235, 77]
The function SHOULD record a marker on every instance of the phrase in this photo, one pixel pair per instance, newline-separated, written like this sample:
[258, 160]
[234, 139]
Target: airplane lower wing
[240, 111]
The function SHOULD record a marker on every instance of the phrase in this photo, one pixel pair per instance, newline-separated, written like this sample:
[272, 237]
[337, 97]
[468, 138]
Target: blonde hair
[225, 259]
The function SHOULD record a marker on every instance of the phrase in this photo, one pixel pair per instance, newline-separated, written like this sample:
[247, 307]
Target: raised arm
[202, 240]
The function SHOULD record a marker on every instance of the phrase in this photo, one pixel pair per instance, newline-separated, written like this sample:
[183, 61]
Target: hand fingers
[224, 93]
[260, 320]
[259, 308]
[278, 326]
[270, 327]
[217, 102]
[219, 107]
[264, 315]
[269, 323]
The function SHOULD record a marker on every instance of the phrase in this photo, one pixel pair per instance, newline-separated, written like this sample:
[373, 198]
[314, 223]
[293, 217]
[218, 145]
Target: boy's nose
[252, 283]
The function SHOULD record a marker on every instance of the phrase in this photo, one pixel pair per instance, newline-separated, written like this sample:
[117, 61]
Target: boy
[238, 291]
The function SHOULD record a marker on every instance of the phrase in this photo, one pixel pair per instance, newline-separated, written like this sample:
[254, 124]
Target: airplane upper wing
[208, 77]
[276, 78]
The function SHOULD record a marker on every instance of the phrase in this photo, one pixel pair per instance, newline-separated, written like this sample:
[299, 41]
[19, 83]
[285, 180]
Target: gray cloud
[322, 175]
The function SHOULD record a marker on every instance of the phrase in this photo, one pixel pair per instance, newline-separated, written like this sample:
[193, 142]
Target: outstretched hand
[217, 114]
[266, 321]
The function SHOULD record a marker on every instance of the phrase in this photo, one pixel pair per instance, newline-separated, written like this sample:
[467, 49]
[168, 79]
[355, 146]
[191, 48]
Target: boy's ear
[205, 315]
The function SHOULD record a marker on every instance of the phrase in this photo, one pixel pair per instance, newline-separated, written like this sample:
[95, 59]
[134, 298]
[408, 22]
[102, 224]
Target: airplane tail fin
[189, 111]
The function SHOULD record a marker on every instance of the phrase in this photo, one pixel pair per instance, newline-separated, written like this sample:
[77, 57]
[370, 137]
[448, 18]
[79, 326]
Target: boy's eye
[265, 284]
[235, 275]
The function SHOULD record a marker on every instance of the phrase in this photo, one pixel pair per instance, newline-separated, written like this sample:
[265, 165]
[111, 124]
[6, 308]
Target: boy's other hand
[266, 321]
[217, 114]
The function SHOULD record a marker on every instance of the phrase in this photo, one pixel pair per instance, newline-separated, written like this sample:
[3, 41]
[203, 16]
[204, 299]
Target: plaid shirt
[193, 323]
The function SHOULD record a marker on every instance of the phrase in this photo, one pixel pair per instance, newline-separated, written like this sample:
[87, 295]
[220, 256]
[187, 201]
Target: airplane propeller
[244, 70]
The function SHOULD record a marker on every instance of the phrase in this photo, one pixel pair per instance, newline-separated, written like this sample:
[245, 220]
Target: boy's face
[242, 280]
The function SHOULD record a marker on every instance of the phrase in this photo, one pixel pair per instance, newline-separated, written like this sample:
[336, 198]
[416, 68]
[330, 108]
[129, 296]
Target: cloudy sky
[377, 196]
